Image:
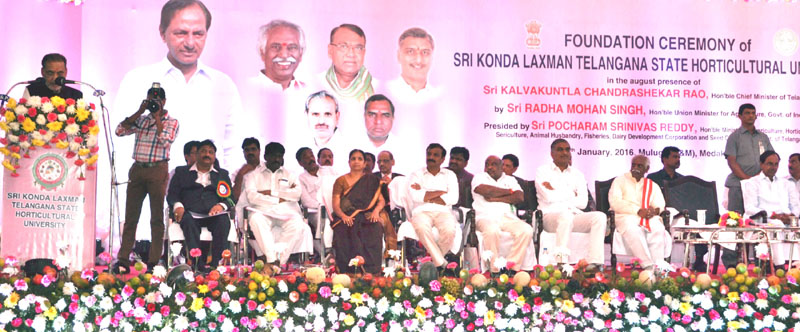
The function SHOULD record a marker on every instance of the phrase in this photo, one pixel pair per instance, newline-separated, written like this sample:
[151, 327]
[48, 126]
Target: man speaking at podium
[54, 66]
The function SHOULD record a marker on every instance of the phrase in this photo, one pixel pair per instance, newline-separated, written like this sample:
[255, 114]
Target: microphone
[38, 80]
[61, 81]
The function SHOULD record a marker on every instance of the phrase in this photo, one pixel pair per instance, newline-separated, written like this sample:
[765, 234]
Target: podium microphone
[61, 81]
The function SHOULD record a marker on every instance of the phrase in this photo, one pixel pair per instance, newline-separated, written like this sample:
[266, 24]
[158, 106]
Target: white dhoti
[566, 222]
[521, 233]
[281, 232]
[649, 247]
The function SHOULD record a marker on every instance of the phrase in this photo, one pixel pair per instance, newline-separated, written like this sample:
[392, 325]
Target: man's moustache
[287, 59]
[430, 160]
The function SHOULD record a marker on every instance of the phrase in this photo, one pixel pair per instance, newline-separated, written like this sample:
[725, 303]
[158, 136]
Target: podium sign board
[50, 203]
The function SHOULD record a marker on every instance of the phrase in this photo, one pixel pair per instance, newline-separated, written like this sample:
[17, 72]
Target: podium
[49, 182]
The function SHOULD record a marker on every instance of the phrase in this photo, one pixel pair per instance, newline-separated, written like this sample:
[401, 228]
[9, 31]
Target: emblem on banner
[50, 171]
[533, 41]
[785, 42]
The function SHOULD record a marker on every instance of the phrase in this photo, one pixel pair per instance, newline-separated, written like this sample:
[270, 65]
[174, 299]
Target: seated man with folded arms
[200, 196]
[638, 201]
[434, 191]
[562, 195]
[274, 192]
[776, 198]
[310, 183]
[494, 195]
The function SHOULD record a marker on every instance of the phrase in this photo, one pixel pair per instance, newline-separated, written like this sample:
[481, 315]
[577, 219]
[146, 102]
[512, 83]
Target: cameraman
[155, 133]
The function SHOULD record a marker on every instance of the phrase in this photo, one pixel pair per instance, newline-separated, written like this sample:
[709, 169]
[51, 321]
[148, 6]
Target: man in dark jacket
[200, 196]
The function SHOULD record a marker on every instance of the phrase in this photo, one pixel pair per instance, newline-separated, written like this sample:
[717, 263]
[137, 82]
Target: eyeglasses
[277, 47]
[344, 48]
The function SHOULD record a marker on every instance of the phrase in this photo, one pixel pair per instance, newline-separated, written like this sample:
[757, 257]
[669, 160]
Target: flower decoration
[64, 124]
[733, 219]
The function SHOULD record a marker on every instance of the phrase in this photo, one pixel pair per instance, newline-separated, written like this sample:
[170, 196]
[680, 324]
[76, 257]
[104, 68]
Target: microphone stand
[114, 197]
[4, 97]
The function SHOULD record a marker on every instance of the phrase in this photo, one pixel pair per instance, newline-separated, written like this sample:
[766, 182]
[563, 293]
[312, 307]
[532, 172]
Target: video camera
[154, 96]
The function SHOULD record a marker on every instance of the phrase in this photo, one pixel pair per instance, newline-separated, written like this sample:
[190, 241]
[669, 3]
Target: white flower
[150, 298]
[106, 303]
[480, 308]
[281, 306]
[81, 103]
[62, 117]
[388, 272]
[72, 129]
[416, 290]
[227, 325]
[91, 141]
[58, 323]
[425, 303]
[235, 307]
[39, 323]
[14, 125]
[362, 311]
[7, 316]
[23, 145]
[155, 319]
[383, 305]
[159, 272]
[779, 326]
[13, 138]
[36, 135]
[181, 323]
[69, 289]
[511, 309]
[632, 317]
[20, 110]
[47, 108]
[165, 290]
[783, 313]
[98, 290]
[500, 263]
[283, 287]
[71, 109]
[34, 101]
[48, 136]
[443, 309]
[73, 146]
[61, 304]
[200, 314]
[23, 304]
[188, 275]
[6, 289]
[762, 304]
[487, 255]
[729, 314]
[763, 284]
[41, 120]
[215, 307]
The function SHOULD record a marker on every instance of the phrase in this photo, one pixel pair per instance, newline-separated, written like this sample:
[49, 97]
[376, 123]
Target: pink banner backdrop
[49, 207]
[614, 78]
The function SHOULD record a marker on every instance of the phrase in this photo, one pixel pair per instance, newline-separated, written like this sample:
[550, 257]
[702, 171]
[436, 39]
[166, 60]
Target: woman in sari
[357, 227]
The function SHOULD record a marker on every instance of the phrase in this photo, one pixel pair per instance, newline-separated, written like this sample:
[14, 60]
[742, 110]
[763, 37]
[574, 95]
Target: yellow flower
[397, 293]
[8, 165]
[420, 313]
[62, 144]
[91, 160]
[356, 299]
[15, 155]
[94, 130]
[37, 142]
[488, 319]
[734, 325]
[28, 125]
[520, 300]
[568, 305]
[268, 304]
[58, 101]
[12, 103]
[197, 304]
[4, 126]
[55, 125]
[82, 114]
[685, 307]
[4, 151]
[83, 152]
[272, 314]
[11, 300]
[606, 297]
[733, 296]
[449, 299]
[10, 116]
[202, 289]
[733, 215]
[349, 320]
[337, 288]
[51, 313]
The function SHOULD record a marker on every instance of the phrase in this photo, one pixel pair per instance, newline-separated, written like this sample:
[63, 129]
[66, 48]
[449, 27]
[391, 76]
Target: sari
[364, 238]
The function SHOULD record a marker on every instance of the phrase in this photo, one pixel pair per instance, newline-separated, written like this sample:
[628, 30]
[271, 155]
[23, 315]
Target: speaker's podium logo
[533, 41]
[50, 171]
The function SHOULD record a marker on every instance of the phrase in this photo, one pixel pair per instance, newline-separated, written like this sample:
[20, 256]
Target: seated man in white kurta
[775, 196]
[637, 202]
[272, 190]
[494, 196]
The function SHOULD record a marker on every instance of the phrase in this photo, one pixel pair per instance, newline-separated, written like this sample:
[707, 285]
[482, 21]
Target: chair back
[601, 189]
[531, 200]
[693, 193]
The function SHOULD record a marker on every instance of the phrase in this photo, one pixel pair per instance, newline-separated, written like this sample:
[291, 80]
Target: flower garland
[310, 301]
[41, 122]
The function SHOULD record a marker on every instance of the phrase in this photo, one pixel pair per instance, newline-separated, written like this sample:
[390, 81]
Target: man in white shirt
[378, 119]
[794, 170]
[434, 190]
[273, 191]
[562, 195]
[637, 202]
[310, 183]
[494, 196]
[777, 197]
[415, 55]
[281, 45]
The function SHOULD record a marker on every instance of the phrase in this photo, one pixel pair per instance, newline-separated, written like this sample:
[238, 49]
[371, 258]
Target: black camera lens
[152, 105]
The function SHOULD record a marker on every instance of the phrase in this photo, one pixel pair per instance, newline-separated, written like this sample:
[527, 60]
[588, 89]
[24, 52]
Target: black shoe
[700, 267]
[120, 268]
